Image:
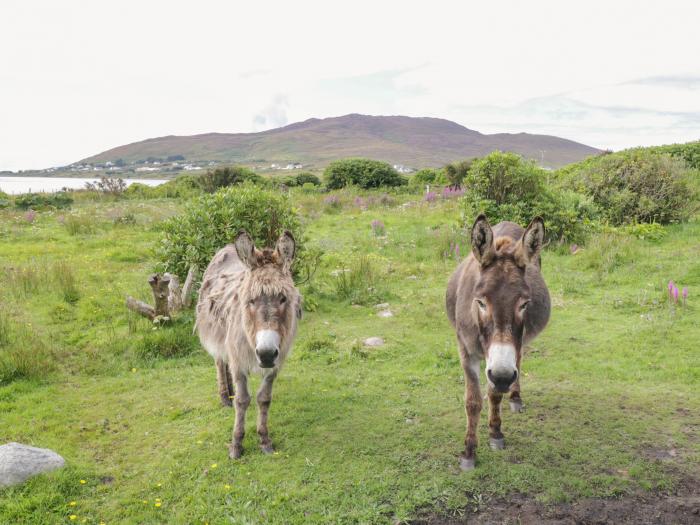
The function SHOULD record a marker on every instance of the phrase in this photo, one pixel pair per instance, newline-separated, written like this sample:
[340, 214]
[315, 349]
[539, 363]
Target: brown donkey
[246, 319]
[497, 302]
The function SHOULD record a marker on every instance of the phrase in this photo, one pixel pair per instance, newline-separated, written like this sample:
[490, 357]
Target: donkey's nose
[267, 357]
[502, 379]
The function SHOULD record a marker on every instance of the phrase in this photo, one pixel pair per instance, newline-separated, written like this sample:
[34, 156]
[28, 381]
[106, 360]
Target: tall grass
[607, 251]
[22, 354]
[359, 283]
[79, 224]
[66, 282]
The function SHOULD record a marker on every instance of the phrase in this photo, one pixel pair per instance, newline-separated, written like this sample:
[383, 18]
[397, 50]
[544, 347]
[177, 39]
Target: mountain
[411, 141]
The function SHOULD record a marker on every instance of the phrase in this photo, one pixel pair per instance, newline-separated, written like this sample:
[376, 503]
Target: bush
[38, 201]
[227, 176]
[364, 173]
[307, 178]
[428, 176]
[213, 220]
[457, 172]
[506, 187]
[635, 186]
[689, 152]
[108, 186]
[180, 187]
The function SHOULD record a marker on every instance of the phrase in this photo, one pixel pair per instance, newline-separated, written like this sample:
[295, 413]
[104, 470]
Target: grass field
[364, 435]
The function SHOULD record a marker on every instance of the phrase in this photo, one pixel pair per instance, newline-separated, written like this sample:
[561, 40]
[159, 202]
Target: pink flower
[674, 292]
[685, 293]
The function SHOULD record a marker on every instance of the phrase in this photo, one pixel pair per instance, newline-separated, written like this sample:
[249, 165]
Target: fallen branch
[167, 295]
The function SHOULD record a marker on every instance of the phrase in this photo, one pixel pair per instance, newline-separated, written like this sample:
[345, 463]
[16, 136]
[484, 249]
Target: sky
[80, 77]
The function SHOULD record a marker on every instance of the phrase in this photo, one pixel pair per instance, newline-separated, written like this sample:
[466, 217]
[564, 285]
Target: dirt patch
[680, 508]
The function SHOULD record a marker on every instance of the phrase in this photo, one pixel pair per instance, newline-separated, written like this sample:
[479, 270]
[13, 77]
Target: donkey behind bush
[246, 319]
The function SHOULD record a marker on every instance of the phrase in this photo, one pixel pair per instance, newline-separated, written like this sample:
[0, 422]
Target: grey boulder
[20, 462]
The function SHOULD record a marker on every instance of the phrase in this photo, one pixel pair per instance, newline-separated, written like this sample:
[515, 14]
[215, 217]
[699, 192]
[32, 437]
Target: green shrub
[4, 200]
[456, 172]
[365, 173]
[213, 220]
[635, 186]
[428, 176]
[39, 201]
[180, 187]
[689, 152]
[307, 178]
[650, 231]
[227, 176]
[506, 187]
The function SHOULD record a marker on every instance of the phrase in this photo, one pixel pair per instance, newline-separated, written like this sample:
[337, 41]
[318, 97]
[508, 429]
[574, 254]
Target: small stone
[374, 341]
[381, 306]
[412, 277]
[386, 313]
[20, 462]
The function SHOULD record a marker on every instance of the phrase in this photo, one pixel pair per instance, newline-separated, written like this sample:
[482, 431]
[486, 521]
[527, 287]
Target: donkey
[247, 316]
[497, 302]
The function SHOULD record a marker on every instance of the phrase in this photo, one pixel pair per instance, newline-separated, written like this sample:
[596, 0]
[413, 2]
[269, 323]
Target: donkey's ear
[245, 248]
[531, 243]
[482, 240]
[286, 247]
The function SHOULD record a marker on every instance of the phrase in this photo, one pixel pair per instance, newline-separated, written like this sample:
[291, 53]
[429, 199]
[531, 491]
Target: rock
[381, 306]
[19, 462]
[386, 313]
[374, 341]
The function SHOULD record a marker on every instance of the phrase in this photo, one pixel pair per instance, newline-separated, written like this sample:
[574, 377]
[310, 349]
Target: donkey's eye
[283, 299]
[524, 306]
[481, 304]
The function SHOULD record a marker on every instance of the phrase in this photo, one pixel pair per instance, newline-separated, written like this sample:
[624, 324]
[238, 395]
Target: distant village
[166, 167]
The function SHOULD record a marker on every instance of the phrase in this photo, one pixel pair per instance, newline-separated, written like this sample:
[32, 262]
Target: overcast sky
[80, 77]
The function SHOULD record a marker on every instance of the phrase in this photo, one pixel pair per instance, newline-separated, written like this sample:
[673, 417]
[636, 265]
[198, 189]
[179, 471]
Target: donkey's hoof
[516, 406]
[466, 463]
[235, 451]
[267, 449]
[497, 443]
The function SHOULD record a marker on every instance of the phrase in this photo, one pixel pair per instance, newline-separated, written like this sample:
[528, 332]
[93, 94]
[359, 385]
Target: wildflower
[72, 517]
[430, 196]
[157, 504]
[133, 370]
[72, 504]
[675, 294]
[30, 216]
[685, 294]
[214, 465]
[83, 482]
[227, 486]
[378, 227]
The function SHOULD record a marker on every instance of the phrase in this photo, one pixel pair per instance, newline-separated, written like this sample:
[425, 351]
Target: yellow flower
[214, 465]
[227, 486]
[159, 484]
[83, 482]
[145, 501]
[72, 504]
[72, 517]
[157, 504]
[133, 370]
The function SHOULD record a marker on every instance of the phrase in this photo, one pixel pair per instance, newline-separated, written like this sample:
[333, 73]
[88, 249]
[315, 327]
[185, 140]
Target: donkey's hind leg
[264, 399]
[224, 383]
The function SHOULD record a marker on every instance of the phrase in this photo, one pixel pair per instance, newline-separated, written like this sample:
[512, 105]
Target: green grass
[363, 435]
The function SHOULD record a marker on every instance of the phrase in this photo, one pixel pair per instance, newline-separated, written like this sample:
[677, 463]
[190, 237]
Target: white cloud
[80, 77]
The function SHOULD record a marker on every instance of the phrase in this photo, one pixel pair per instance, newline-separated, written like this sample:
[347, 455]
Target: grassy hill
[415, 142]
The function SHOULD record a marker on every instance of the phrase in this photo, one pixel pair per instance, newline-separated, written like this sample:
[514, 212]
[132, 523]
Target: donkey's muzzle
[267, 358]
[502, 380]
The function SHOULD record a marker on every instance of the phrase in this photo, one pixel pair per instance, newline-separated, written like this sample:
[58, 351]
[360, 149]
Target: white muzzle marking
[267, 340]
[502, 359]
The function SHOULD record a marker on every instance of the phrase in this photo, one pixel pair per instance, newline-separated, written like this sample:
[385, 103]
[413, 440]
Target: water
[17, 185]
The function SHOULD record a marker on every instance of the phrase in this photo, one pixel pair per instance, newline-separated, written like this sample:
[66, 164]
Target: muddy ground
[681, 507]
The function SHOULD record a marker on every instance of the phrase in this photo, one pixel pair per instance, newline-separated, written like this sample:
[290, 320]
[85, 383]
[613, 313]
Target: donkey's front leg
[516, 402]
[496, 440]
[264, 399]
[471, 366]
[224, 384]
[242, 400]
